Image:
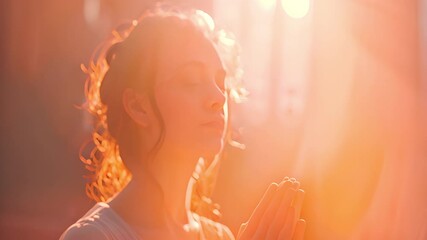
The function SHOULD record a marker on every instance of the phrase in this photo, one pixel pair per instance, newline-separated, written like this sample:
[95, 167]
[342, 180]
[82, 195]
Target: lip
[215, 124]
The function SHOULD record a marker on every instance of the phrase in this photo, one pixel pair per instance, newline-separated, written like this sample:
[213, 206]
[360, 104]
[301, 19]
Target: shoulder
[90, 226]
[100, 223]
[83, 232]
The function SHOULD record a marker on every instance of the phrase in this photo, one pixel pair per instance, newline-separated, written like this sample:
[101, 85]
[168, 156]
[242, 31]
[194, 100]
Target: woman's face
[190, 96]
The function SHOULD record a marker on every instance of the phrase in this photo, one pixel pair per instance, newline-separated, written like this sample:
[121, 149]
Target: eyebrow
[197, 64]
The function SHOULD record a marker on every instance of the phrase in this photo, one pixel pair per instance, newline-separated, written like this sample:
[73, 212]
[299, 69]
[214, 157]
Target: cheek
[180, 114]
[183, 115]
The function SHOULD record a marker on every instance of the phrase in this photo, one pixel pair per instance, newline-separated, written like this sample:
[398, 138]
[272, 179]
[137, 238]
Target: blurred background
[337, 100]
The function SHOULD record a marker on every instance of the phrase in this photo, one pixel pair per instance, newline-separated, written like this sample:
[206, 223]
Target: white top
[104, 220]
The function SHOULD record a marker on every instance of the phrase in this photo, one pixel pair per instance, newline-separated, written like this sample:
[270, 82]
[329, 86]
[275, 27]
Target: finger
[293, 180]
[287, 229]
[241, 229]
[295, 185]
[298, 201]
[269, 217]
[281, 215]
[272, 211]
[260, 210]
[299, 230]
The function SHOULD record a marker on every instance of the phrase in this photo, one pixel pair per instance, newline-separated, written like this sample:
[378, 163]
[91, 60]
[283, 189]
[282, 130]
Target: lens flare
[296, 8]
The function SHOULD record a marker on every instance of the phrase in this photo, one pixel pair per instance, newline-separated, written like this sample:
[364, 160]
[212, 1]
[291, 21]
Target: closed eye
[190, 74]
[194, 73]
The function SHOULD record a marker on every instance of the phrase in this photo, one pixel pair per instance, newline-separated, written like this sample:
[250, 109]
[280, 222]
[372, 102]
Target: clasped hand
[277, 214]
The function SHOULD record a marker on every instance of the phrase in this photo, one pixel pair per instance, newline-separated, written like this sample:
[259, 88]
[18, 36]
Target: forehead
[178, 52]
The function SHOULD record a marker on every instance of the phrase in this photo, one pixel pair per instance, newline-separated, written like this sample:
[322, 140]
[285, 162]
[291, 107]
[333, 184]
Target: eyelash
[190, 80]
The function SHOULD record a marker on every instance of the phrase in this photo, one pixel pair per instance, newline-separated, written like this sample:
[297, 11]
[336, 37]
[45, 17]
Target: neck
[173, 172]
[156, 198]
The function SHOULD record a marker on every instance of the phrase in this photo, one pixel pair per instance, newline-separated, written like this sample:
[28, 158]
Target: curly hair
[108, 173]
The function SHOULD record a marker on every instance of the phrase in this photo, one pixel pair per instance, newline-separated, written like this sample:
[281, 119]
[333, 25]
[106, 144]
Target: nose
[215, 98]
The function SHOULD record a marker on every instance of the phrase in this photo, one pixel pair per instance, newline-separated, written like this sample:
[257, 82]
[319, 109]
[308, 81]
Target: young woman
[159, 90]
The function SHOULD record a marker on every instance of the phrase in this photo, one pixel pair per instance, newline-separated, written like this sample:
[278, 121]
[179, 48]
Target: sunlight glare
[296, 8]
[267, 4]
